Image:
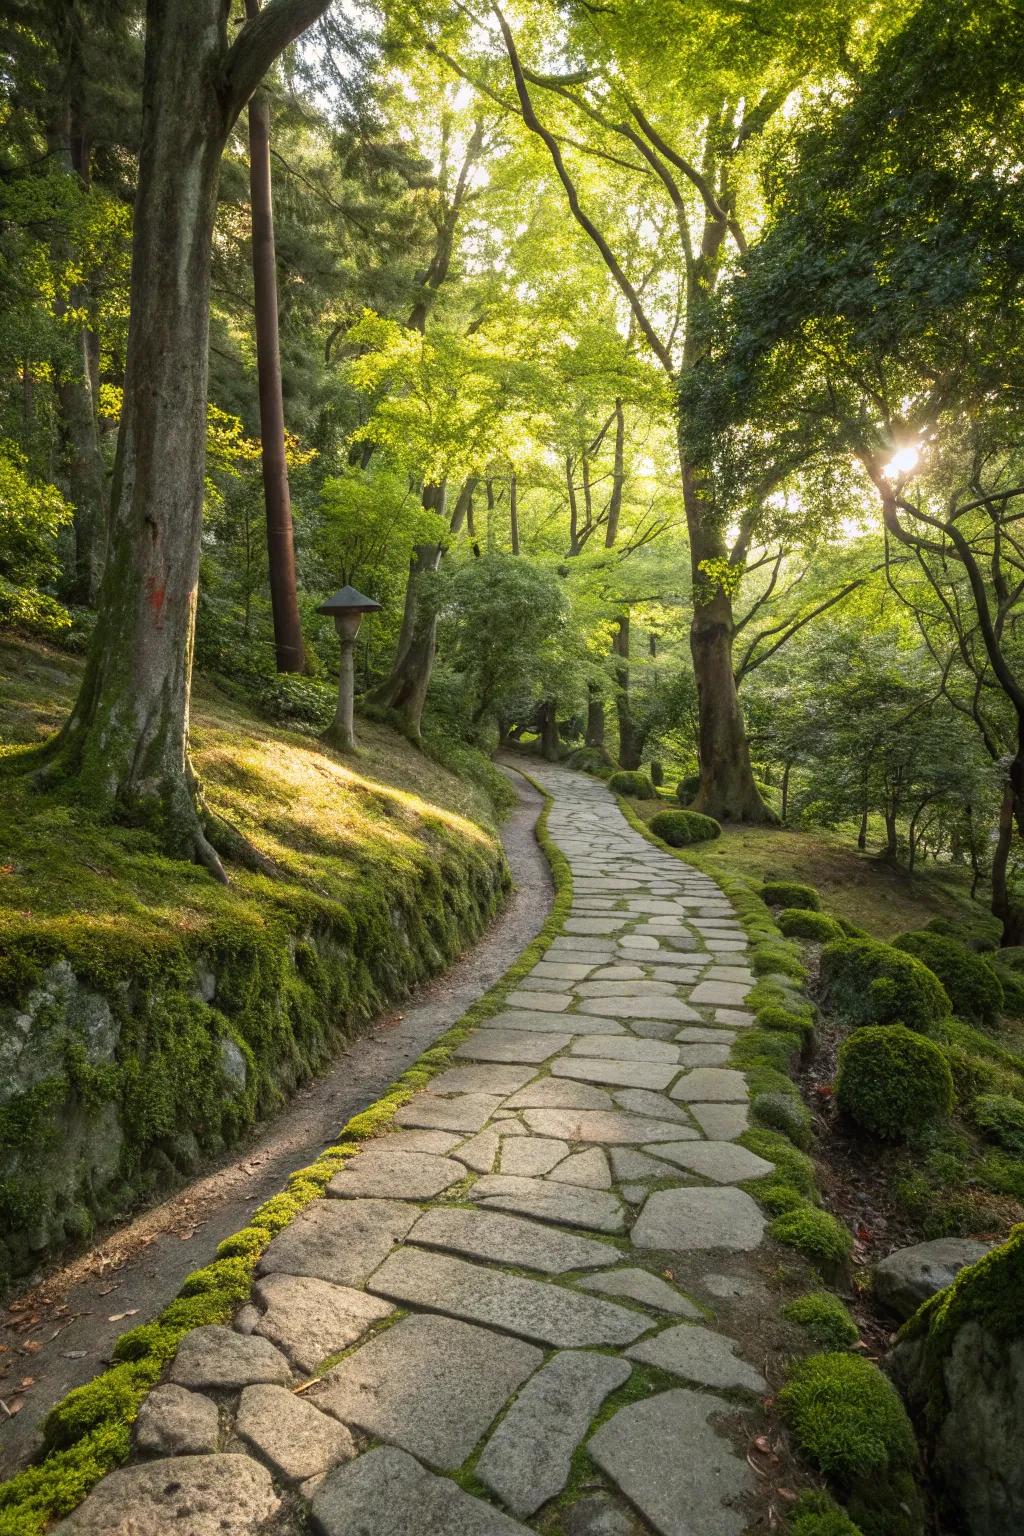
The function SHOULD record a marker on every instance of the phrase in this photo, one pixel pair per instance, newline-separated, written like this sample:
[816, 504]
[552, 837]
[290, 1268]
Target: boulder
[908, 1277]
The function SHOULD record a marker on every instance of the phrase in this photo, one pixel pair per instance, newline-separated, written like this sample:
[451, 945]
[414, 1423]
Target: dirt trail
[59, 1333]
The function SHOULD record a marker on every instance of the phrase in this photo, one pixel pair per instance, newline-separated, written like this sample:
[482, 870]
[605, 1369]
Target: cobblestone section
[533, 1262]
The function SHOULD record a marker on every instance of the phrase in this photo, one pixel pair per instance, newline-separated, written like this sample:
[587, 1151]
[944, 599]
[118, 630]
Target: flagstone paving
[549, 1251]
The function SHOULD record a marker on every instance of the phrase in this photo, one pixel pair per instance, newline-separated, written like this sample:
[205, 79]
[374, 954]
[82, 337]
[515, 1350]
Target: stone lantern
[346, 608]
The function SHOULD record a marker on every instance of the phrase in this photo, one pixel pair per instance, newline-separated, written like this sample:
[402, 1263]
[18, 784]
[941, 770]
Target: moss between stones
[89, 1432]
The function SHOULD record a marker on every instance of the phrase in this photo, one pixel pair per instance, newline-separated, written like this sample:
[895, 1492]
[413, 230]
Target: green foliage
[818, 1235]
[892, 1081]
[628, 782]
[778, 1048]
[789, 894]
[778, 957]
[848, 1419]
[681, 828]
[973, 987]
[289, 699]
[775, 1016]
[799, 923]
[783, 1111]
[815, 1514]
[825, 1318]
[868, 982]
[686, 789]
[1001, 1118]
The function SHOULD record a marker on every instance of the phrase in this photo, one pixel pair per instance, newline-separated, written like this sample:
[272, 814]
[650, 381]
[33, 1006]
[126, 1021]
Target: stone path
[543, 1255]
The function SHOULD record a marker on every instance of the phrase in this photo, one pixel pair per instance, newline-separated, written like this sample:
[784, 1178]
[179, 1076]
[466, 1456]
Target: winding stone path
[515, 1292]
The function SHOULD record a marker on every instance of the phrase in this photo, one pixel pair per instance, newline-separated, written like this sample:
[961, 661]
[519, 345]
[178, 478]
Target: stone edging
[88, 1433]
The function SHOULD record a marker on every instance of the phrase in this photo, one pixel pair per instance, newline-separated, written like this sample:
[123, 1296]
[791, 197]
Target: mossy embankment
[148, 1015]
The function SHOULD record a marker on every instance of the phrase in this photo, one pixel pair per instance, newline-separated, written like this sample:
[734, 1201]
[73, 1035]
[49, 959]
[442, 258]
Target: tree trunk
[785, 790]
[403, 693]
[630, 740]
[727, 789]
[618, 478]
[284, 602]
[513, 511]
[549, 743]
[595, 718]
[1010, 915]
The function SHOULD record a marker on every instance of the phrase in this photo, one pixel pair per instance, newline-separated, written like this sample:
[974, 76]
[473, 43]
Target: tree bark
[403, 692]
[630, 740]
[549, 743]
[513, 511]
[618, 478]
[284, 601]
[595, 718]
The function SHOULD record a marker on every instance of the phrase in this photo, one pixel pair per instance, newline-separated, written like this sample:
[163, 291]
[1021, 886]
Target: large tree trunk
[549, 742]
[727, 789]
[404, 691]
[630, 740]
[1009, 914]
[618, 478]
[595, 718]
[284, 602]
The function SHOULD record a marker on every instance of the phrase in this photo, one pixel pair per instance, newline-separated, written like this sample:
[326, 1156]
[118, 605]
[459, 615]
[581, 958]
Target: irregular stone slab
[599, 1513]
[722, 1161]
[609, 1128]
[910, 1276]
[588, 1169]
[498, 1078]
[704, 1055]
[510, 1045]
[640, 1285]
[644, 1008]
[440, 1143]
[720, 994]
[594, 1209]
[641, 1101]
[625, 989]
[630, 942]
[729, 1287]
[721, 1122]
[572, 945]
[619, 973]
[310, 1319]
[175, 1422]
[701, 1355]
[738, 1017]
[510, 1240]
[700, 1035]
[431, 1385]
[638, 1165]
[561, 970]
[339, 1240]
[529, 1457]
[625, 1048]
[546, 1002]
[197, 1495]
[557, 1093]
[550, 1024]
[592, 925]
[708, 1085]
[217, 1357]
[686, 1219]
[533, 1309]
[480, 1151]
[294, 1437]
[624, 1074]
[653, 1029]
[737, 973]
[380, 1173]
[465, 1112]
[531, 1156]
[682, 1495]
[388, 1491]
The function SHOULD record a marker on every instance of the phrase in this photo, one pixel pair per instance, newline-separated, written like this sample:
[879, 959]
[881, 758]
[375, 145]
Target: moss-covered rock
[825, 1318]
[847, 1418]
[635, 784]
[974, 989]
[681, 828]
[868, 982]
[790, 893]
[801, 923]
[892, 1081]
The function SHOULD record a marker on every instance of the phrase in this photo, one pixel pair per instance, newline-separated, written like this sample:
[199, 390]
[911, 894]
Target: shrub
[686, 789]
[973, 987]
[893, 1082]
[977, 934]
[1012, 983]
[819, 1236]
[1000, 1117]
[680, 828]
[869, 982]
[789, 893]
[825, 1318]
[815, 1514]
[847, 1417]
[626, 782]
[801, 923]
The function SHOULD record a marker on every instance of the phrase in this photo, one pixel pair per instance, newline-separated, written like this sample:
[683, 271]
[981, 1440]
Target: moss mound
[893, 1082]
[869, 982]
[826, 1319]
[819, 1236]
[802, 923]
[1000, 1117]
[626, 782]
[790, 893]
[972, 985]
[815, 1514]
[680, 828]
[686, 789]
[847, 1418]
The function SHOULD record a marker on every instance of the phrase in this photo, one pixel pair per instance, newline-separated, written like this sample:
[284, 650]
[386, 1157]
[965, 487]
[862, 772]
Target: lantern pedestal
[346, 608]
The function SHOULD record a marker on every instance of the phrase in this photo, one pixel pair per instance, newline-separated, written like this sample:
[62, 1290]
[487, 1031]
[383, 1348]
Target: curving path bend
[549, 1251]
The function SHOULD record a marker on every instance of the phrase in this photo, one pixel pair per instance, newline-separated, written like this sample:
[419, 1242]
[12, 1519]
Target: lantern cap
[348, 600]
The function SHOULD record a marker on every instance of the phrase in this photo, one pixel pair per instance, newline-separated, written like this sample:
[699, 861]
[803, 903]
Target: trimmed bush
[626, 782]
[790, 893]
[1012, 983]
[893, 1082]
[972, 985]
[680, 828]
[820, 1237]
[778, 957]
[869, 982]
[825, 1318]
[1000, 1117]
[686, 789]
[977, 935]
[801, 923]
[848, 1419]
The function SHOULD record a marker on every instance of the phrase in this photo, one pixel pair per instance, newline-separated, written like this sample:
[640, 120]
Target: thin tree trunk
[630, 741]
[284, 601]
[785, 790]
[1010, 915]
[404, 691]
[549, 742]
[595, 718]
[513, 511]
[618, 478]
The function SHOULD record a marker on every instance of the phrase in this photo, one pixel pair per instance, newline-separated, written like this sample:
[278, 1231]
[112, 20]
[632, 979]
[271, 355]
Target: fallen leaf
[119, 1317]
[787, 1494]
